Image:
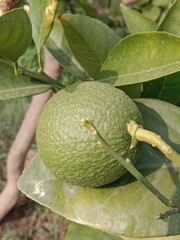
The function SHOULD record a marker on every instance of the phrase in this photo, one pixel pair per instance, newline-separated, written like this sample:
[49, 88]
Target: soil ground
[28, 220]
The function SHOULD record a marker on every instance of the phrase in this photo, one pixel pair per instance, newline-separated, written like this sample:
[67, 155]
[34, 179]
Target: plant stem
[6, 61]
[42, 77]
[39, 60]
[139, 134]
[39, 76]
[128, 165]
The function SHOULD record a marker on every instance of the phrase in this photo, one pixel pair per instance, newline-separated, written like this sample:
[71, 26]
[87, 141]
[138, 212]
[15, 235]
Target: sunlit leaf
[42, 13]
[142, 57]
[171, 21]
[90, 45]
[57, 45]
[86, 233]
[125, 207]
[136, 21]
[80, 232]
[16, 34]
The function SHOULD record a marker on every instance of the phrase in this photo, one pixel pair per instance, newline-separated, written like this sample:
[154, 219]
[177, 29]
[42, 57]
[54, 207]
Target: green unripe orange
[69, 150]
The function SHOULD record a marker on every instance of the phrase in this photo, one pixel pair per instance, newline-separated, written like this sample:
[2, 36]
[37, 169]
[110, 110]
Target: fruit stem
[128, 165]
[139, 134]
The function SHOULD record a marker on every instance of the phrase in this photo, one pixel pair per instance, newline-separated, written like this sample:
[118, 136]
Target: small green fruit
[69, 150]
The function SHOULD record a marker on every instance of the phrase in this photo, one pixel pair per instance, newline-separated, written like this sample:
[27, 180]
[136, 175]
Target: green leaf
[167, 88]
[125, 207]
[12, 86]
[133, 90]
[89, 10]
[152, 12]
[170, 90]
[161, 3]
[171, 21]
[29, 59]
[89, 39]
[42, 13]
[86, 233]
[114, 10]
[142, 57]
[104, 4]
[80, 232]
[57, 45]
[16, 35]
[137, 22]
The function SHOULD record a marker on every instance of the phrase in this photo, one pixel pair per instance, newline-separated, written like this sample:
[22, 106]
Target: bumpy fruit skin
[69, 150]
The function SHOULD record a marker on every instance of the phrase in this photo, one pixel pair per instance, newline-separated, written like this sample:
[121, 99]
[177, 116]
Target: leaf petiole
[42, 77]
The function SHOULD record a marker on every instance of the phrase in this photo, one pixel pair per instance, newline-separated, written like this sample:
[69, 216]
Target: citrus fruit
[69, 150]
